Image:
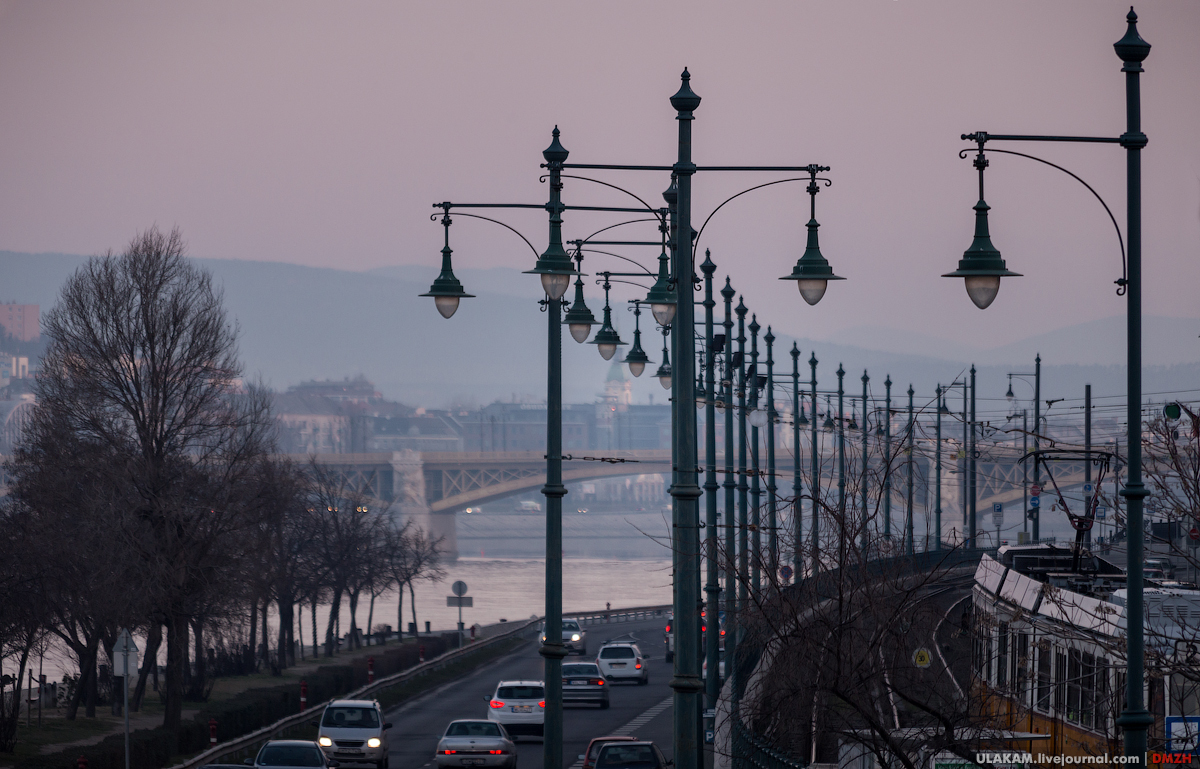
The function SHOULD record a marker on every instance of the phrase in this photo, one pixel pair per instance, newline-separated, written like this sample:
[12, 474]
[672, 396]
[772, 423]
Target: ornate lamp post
[982, 268]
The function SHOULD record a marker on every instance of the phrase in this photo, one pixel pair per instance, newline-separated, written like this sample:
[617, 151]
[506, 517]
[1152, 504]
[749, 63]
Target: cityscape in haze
[403, 385]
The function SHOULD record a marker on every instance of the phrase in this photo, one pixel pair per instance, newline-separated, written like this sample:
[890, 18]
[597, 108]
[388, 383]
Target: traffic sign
[998, 507]
[459, 588]
[1194, 534]
[785, 572]
[125, 655]
[1035, 490]
[1101, 513]
[1035, 501]
[1087, 488]
[461, 601]
[922, 658]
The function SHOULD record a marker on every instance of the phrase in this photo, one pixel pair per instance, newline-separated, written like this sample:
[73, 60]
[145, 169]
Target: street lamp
[812, 272]
[579, 318]
[446, 290]
[607, 339]
[664, 371]
[637, 358]
[1132, 50]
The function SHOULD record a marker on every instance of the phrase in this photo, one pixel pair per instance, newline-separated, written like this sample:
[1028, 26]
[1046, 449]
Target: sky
[321, 133]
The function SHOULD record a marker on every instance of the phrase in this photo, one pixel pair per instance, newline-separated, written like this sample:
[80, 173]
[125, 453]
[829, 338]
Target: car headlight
[374, 742]
[325, 742]
[575, 637]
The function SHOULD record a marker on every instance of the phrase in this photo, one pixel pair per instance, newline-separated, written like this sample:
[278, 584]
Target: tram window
[1087, 689]
[1103, 703]
[1073, 687]
[1021, 666]
[1002, 657]
[1185, 694]
[1060, 681]
[1043, 678]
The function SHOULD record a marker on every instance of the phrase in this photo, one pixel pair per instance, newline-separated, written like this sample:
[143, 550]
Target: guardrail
[756, 752]
[277, 729]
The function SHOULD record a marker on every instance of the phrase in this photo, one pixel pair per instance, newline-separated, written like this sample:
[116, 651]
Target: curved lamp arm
[696, 244]
[1123, 282]
[435, 217]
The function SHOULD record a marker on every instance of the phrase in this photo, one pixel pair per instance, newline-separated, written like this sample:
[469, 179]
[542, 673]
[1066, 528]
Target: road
[419, 723]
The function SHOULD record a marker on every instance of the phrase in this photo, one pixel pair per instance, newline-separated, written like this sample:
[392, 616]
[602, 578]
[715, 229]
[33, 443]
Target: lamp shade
[446, 290]
[758, 418]
[555, 268]
[662, 297]
[981, 266]
[637, 358]
[812, 272]
[579, 318]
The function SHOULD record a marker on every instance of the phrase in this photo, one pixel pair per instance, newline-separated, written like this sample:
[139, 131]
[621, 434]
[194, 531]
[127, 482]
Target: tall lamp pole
[983, 268]
[814, 486]
[908, 512]
[797, 479]
[937, 507]
[755, 479]
[772, 511]
[866, 463]
[887, 458]
[729, 484]
[841, 458]
[712, 589]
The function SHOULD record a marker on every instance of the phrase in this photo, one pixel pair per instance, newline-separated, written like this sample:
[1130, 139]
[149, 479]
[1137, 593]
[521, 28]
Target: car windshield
[570, 624]
[290, 755]
[473, 729]
[520, 693]
[596, 748]
[616, 754]
[616, 653]
[350, 718]
[580, 670]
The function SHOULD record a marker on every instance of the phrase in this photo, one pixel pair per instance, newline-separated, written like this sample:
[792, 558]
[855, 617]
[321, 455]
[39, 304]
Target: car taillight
[668, 628]
[542, 704]
[597, 682]
[638, 666]
[702, 628]
[496, 752]
[722, 632]
[496, 704]
[449, 752]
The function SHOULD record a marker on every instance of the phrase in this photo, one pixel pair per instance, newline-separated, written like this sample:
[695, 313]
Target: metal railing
[752, 750]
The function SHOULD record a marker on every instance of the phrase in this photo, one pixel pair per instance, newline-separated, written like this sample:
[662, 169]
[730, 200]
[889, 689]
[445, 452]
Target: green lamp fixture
[446, 290]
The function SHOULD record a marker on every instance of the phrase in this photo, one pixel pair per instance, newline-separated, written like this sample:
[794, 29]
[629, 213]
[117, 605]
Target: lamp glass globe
[637, 367]
[982, 289]
[663, 313]
[555, 284]
[665, 381]
[812, 289]
[607, 350]
[580, 331]
[446, 305]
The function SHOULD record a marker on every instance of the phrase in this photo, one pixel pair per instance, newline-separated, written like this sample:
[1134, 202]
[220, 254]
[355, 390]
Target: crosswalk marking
[637, 723]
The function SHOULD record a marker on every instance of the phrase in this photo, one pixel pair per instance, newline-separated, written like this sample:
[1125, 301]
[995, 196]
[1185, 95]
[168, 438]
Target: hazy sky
[320, 133]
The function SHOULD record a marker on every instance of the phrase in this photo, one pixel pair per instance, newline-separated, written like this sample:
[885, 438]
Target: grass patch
[56, 730]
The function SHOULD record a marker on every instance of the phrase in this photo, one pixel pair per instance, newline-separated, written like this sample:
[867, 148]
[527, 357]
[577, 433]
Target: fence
[281, 729]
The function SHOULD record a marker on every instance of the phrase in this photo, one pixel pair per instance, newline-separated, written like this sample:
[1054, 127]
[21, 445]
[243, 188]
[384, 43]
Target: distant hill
[300, 323]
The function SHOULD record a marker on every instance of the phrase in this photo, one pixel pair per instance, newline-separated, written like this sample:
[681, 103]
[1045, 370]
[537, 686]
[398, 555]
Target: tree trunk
[176, 662]
[412, 599]
[333, 616]
[149, 662]
[199, 679]
[371, 617]
[355, 641]
[283, 647]
[400, 613]
[91, 691]
[312, 608]
[266, 639]
[252, 653]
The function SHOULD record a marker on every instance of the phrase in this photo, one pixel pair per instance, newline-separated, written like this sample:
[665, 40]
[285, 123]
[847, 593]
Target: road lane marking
[637, 723]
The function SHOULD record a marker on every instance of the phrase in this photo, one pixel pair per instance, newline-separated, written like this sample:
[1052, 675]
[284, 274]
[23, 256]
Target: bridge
[432, 487]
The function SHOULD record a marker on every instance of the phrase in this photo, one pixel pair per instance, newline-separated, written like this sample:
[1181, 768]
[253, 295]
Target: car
[519, 706]
[623, 661]
[290, 754]
[574, 637]
[593, 749]
[1154, 574]
[354, 731]
[1162, 564]
[475, 743]
[583, 682]
[631, 755]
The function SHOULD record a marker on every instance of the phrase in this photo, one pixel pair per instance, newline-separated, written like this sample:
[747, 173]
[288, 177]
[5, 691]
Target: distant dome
[616, 373]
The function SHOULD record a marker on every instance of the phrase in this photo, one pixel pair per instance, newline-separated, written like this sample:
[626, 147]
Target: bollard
[212, 731]
[421, 655]
[472, 632]
[303, 694]
[81, 763]
[370, 670]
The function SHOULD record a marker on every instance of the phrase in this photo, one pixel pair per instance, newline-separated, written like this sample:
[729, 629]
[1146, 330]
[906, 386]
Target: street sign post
[1035, 490]
[125, 651]
[459, 599]
[785, 571]
[922, 658]
[1194, 534]
[1035, 502]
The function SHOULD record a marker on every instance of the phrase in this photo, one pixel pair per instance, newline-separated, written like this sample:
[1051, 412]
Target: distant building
[21, 321]
[357, 390]
[311, 424]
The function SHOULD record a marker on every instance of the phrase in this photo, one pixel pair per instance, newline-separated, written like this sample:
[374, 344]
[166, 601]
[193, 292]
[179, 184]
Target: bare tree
[142, 361]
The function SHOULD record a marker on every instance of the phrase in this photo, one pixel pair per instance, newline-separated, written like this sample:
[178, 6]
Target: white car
[574, 637]
[354, 731]
[475, 743]
[623, 662]
[520, 706]
[720, 664]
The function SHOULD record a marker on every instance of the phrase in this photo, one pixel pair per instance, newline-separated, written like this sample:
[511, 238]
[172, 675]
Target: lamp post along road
[711, 588]
[971, 479]
[887, 458]
[772, 512]
[866, 463]
[797, 479]
[908, 505]
[841, 460]
[729, 485]
[743, 487]
[814, 486]
[755, 467]
[937, 505]
[983, 268]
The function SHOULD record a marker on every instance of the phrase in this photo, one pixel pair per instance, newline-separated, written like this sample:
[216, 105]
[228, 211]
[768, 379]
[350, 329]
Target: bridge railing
[633, 614]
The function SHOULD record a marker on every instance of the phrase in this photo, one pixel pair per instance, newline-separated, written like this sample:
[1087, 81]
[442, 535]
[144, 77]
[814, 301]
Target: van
[528, 506]
[354, 731]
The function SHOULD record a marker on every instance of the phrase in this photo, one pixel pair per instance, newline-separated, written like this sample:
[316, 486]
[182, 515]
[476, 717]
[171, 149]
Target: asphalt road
[646, 710]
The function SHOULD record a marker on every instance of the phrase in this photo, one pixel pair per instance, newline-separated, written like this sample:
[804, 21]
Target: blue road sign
[997, 507]
[785, 572]
[1035, 501]
[1101, 513]
[1087, 488]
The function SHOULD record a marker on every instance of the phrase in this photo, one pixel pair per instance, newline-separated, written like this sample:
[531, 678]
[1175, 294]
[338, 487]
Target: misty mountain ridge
[298, 323]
